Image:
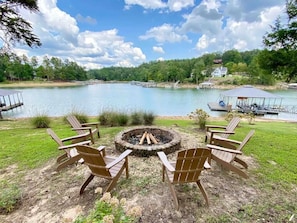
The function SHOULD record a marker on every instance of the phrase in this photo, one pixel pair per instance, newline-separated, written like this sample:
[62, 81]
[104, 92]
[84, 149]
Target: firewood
[148, 140]
[154, 140]
[142, 138]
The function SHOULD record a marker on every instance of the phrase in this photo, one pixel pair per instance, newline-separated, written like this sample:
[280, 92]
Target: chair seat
[107, 167]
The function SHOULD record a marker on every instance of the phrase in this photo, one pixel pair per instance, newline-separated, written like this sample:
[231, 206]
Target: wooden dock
[9, 100]
[215, 106]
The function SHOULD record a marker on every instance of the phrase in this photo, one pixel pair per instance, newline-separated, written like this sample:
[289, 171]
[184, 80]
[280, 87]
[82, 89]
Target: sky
[127, 33]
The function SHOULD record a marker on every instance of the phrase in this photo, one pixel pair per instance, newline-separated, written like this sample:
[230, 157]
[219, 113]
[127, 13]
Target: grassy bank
[273, 149]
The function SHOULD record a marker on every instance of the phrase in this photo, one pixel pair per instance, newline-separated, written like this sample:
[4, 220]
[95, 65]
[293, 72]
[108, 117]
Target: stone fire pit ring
[121, 141]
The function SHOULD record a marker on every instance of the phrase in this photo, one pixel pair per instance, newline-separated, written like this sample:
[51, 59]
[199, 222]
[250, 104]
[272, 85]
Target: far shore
[31, 84]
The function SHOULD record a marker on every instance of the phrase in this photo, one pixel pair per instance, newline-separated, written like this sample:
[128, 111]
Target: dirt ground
[49, 196]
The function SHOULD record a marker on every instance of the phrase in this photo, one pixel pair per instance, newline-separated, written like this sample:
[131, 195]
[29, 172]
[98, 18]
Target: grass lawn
[24, 148]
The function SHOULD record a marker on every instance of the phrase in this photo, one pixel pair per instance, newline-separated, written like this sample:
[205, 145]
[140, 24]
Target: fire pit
[147, 141]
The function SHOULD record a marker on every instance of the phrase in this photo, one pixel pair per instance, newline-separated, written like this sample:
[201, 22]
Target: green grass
[273, 146]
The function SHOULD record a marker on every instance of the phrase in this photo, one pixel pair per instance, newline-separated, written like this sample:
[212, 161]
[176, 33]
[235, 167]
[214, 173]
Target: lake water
[93, 99]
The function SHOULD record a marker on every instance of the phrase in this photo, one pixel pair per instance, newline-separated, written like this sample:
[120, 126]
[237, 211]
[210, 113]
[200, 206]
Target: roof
[8, 92]
[248, 92]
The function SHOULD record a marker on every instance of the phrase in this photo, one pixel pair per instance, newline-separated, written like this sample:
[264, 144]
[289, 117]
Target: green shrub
[9, 197]
[81, 117]
[200, 117]
[103, 118]
[122, 119]
[136, 118]
[148, 118]
[112, 118]
[41, 121]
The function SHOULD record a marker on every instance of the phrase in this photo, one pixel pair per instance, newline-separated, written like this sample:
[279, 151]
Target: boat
[292, 86]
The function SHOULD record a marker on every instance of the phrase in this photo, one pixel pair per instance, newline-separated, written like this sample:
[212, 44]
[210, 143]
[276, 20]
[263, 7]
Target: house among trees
[220, 72]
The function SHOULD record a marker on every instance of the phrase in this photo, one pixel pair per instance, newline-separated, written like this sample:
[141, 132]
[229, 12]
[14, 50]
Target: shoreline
[32, 84]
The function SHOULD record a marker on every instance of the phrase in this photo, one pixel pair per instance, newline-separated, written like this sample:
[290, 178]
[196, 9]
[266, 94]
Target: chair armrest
[73, 137]
[82, 128]
[215, 127]
[119, 158]
[223, 149]
[212, 132]
[102, 149]
[220, 131]
[165, 161]
[75, 144]
[227, 140]
[90, 124]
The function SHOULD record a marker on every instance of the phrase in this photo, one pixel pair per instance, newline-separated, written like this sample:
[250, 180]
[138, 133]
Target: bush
[136, 118]
[112, 118]
[122, 119]
[9, 197]
[200, 117]
[81, 117]
[41, 121]
[148, 118]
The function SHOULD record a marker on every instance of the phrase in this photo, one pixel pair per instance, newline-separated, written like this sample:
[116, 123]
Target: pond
[93, 99]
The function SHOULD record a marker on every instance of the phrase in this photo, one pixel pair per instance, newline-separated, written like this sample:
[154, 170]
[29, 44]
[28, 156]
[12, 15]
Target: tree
[282, 41]
[13, 26]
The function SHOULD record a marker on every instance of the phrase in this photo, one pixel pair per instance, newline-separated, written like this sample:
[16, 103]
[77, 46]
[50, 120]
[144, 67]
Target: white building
[220, 72]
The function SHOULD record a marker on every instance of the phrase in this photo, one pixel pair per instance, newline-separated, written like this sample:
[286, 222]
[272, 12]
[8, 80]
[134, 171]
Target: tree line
[15, 68]
[276, 62]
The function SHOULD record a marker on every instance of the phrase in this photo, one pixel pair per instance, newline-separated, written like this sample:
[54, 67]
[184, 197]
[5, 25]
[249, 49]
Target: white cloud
[87, 19]
[177, 5]
[147, 4]
[172, 5]
[204, 42]
[61, 37]
[158, 49]
[164, 33]
[204, 19]
[240, 35]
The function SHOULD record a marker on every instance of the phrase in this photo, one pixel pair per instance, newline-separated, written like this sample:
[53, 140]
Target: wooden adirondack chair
[84, 128]
[186, 169]
[214, 132]
[70, 156]
[103, 166]
[227, 156]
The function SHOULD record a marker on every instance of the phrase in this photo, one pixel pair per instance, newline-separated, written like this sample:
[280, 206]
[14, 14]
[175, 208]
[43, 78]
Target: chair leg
[62, 157]
[90, 178]
[98, 134]
[126, 167]
[163, 173]
[171, 187]
[68, 162]
[203, 192]
[230, 167]
[240, 161]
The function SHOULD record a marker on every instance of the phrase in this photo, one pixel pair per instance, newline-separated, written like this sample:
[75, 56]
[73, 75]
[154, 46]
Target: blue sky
[104, 33]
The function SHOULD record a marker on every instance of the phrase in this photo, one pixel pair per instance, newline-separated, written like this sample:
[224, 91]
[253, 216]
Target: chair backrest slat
[94, 160]
[246, 139]
[75, 123]
[54, 136]
[189, 164]
[231, 126]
